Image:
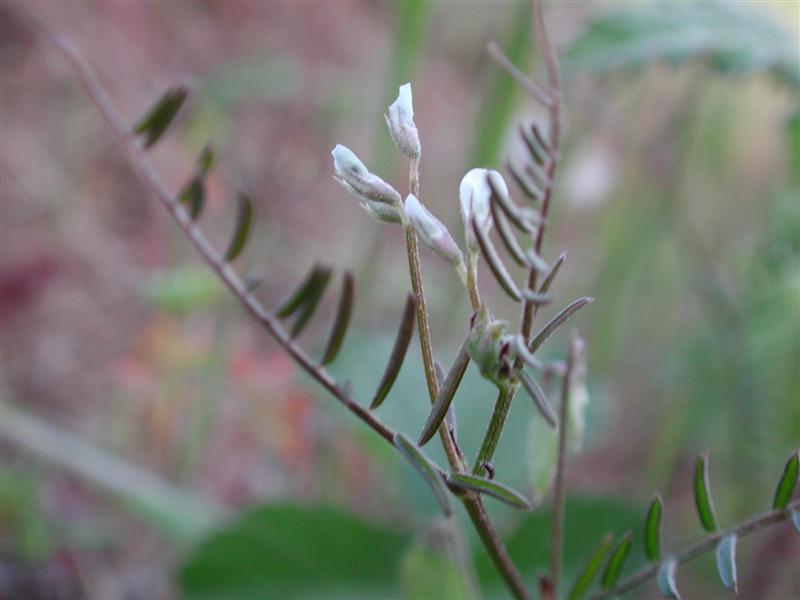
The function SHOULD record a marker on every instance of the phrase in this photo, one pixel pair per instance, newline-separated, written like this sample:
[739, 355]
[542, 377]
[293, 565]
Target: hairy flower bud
[351, 173]
[432, 232]
[400, 120]
[490, 347]
[475, 193]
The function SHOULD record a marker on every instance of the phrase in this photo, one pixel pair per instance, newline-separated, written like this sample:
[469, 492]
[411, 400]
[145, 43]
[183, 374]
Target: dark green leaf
[617, 561]
[557, 321]
[590, 569]
[153, 125]
[285, 551]
[206, 160]
[244, 219]
[404, 333]
[342, 319]
[193, 195]
[489, 487]
[539, 398]
[548, 281]
[495, 264]
[726, 562]
[702, 494]
[311, 302]
[652, 529]
[300, 296]
[666, 579]
[427, 468]
[447, 391]
[785, 489]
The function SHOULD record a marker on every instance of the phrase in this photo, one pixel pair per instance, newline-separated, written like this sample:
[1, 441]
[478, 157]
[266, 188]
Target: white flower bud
[351, 173]
[432, 231]
[400, 120]
[475, 193]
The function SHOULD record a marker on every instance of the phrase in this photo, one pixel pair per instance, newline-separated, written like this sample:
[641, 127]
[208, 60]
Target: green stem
[495, 428]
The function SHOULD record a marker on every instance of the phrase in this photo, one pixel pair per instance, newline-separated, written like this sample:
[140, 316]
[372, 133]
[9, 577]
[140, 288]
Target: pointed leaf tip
[726, 562]
[590, 569]
[311, 302]
[401, 342]
[617, 562]
[241, 229]
[787, 483]
[666, 579]
[482, 485]
[702, 494]
[652, 529]
[557, 321]
[427, 468]
[342, 319]
[447, 391]
[158, 119]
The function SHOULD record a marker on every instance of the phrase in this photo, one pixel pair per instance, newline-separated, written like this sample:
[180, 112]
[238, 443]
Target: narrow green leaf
[702, 494]
[311, 302]
[153, 125]
[447, 391]
[666, 579]
[617, 561]
[342, 319]
[302, 292]
[206, 160]
[536, 298]
[512, 211]
[590, 569]
[785, 489]
[536, 262]
[537, 152]
[551, 276]
[652, 529]
[244, 219]
[427, 468]
[537, 135]
[529, 188]
[495, 264]
[506, 235]
[193, 195]
[557, 321]
[482, 485]
[796, 520]
[539, 398]
[726, 562]
[398, 352]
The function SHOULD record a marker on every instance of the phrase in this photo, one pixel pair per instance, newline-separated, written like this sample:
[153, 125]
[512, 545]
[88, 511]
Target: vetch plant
[504, 353]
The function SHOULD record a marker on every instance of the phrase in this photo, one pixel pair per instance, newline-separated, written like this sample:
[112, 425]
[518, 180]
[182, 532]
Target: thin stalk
[557, 531]
[707, 544]
[149, 176]
[495, 428]
[472, 502]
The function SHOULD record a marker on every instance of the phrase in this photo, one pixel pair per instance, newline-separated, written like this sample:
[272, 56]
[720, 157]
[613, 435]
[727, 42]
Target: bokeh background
[156, 444]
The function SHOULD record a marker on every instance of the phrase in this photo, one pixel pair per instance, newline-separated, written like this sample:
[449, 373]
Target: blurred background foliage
[142, 411]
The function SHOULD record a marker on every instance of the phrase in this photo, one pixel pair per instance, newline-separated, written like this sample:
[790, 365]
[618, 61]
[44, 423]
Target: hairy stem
[705, 545]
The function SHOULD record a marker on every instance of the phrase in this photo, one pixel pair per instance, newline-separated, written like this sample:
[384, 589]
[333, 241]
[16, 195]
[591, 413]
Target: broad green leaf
[482, 485]
[652, 529]
[241, 229]
[427, 468]
[404, 333]
[285, 551]
[342, 320]
[153, 125]
[666, 579]
[726, 562]
[590, 569]
[731, 37]
[617, 561]
[702, 494]
[785, 489]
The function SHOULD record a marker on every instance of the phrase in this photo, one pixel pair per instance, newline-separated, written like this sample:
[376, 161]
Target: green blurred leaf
[153, 124]
[590, 569]
[702, 494]
[241, 230]
[22, 521]
[785, 489]
[184, 289]
[342, 319]
[285, 551]
[396, 358]
[428, 573]
[726, 562]
[734, 37]
[427, 468]
[617, 561]
[652, 529]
